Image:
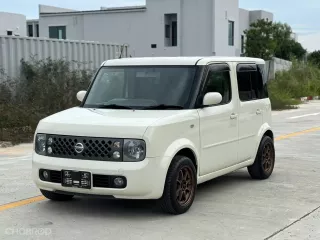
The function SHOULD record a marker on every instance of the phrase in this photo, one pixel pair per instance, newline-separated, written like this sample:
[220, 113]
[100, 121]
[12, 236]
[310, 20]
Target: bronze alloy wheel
[264, 162]
[267, 158]
[180, 186]
[185, 186]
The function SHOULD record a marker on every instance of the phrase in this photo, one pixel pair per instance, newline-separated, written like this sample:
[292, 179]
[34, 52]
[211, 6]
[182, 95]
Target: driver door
[219, 123]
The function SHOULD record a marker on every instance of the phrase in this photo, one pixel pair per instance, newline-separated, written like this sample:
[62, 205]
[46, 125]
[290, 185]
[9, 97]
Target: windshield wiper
[112, 106]
[163, 107]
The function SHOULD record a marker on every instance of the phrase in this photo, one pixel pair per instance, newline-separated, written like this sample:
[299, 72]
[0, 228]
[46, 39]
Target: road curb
[309, 98]
[6, 144]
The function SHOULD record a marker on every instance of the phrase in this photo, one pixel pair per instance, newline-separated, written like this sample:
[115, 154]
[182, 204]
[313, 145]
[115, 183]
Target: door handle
[258, 111]
[233, 116]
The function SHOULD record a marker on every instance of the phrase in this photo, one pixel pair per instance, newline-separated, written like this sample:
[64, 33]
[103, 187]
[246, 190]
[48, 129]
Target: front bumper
[145, 180]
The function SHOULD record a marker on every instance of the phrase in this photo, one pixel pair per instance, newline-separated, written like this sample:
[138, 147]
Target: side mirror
[80, 95]
[212, 98]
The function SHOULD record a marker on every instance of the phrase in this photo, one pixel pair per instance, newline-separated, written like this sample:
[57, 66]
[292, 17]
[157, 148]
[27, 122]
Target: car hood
[113, 123]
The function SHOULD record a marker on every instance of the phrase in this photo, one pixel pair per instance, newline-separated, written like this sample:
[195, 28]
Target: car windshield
[141, 87]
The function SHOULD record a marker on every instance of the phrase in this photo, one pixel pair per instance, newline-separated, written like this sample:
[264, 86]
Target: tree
[297, 50]
[314, 58]
[260, 42]
[266, 39]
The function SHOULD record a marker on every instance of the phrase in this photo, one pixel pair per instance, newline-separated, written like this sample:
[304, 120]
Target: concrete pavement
[286, 206]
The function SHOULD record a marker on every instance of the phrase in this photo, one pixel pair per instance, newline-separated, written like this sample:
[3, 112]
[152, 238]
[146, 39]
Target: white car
[155, 128]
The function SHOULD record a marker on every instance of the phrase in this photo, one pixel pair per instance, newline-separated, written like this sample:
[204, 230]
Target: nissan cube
[155, 128]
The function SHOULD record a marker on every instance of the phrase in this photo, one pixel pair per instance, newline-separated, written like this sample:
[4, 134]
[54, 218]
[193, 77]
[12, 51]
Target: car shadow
[131, 209]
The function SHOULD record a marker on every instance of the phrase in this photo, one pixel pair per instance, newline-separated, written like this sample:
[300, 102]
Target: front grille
[86, 148]
[102, 181]
[55, 176]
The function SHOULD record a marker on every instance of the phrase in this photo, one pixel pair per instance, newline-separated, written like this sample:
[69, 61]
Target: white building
[33, 24]
[12, 24]
[33, 28]
[159, 28]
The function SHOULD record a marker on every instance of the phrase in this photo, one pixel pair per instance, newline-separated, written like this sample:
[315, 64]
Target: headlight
[134, 150]
[40, 144]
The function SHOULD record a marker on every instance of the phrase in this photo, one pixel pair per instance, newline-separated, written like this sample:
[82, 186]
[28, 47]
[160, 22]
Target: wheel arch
[265, 130]
[269, 133]
[183, 147]
[187, 152]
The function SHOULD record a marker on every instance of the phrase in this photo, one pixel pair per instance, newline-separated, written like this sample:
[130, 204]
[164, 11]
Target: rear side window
[262, 74]
[251, 82]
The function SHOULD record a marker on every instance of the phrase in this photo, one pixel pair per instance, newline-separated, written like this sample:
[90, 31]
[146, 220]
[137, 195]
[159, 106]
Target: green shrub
[302, 80]
[43, 88]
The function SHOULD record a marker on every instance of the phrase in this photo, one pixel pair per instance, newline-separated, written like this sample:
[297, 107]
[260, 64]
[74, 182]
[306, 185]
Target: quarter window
[218, 80]
[252, 83]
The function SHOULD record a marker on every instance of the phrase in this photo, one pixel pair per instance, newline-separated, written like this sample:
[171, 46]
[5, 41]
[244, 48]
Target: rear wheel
[56, 196]
[180, 186]
[264, 163]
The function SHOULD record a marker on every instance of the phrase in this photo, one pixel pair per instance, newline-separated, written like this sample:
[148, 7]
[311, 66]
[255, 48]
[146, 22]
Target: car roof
[184, 61]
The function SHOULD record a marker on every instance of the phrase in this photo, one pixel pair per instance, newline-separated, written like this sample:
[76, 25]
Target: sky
[302, 15]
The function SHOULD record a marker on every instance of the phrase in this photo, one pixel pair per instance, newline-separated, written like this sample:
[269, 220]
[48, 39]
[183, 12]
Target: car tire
[180, 186]
[265, 160]
[56, 196]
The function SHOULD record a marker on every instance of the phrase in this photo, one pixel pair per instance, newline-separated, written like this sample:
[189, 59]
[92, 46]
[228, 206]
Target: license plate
[77, 179]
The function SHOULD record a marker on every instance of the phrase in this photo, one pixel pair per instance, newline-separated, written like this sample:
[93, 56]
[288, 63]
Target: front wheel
[265, 160]
[180, 186]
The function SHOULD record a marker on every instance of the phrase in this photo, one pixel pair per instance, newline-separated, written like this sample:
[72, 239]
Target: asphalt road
[286, 206]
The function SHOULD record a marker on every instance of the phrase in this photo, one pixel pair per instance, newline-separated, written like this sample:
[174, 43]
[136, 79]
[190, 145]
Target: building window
[242, 43]
[231, 33]
[57, 32]
[167, 31]
[30, 30]
[171, 30]
[9, 33]
[37, 30]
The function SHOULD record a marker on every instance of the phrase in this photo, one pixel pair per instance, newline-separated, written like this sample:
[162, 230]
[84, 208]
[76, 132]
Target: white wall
[225, 10]
[197, 28]
[52, 9]
[244, 20]
[244, 24]
[155, 26]
[119, 28]
[259, 14]
[277, 65]
[13, 22]
[74, 25]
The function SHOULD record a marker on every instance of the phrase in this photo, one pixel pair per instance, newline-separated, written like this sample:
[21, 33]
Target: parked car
[155, 128]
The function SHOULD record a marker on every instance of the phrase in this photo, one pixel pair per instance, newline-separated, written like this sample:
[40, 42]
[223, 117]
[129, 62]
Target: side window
[244, 86]
[250, 82]
[264, 78]
[219, 81]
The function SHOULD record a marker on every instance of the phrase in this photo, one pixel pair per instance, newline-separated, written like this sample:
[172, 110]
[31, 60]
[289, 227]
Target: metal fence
[90, 54]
